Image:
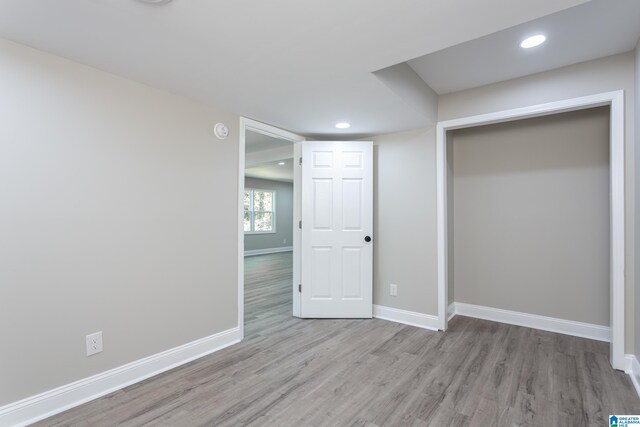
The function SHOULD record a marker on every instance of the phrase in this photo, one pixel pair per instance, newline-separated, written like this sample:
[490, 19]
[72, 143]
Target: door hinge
[300, 224]
[300, 288]
[300, 161]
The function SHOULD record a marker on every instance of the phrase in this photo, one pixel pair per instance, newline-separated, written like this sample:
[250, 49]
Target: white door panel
[337, 215]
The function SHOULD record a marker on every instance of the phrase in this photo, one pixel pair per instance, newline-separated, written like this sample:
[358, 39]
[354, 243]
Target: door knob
[367, 239]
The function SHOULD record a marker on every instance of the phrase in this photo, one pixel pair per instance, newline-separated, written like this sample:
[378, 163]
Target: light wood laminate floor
[292, 372]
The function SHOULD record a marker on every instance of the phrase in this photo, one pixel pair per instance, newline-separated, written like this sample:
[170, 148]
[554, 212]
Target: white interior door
[337, 226]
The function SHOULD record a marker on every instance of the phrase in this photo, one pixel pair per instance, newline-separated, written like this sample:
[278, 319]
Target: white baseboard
[451, 311]
[412, 318]
[551, 324]
[44, 405]
[254, 252]
[632, 368]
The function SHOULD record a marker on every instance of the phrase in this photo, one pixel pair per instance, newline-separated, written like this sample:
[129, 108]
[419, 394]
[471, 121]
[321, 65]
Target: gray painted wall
[531, 215]
[405, 221]
[602, 75]
[118, 213]
[283, 237]
[451, 259]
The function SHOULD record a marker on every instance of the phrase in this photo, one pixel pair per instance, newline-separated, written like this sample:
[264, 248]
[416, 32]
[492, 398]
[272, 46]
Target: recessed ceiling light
[532, 41]
[280, 163]
[343, 125]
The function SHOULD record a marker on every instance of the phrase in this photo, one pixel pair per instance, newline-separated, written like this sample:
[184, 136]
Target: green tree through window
[259, 211]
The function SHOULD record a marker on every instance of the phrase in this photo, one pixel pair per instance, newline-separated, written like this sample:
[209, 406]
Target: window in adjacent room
[259, 211]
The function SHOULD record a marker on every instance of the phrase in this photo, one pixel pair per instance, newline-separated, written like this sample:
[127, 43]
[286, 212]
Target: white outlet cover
[94, 343]
[393, 289]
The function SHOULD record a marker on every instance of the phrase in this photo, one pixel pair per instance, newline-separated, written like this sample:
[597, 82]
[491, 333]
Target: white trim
[412, 318]
[49, 403]
[534, 321]
[441, 223]
[451, 311]
[617, 265]
[632, 368]
[615, 100]
[255, 126]
[241, 161]
[297, 231]
[254, 252]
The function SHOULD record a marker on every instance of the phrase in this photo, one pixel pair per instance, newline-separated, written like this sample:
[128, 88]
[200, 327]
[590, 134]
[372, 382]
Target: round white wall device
[221, 130]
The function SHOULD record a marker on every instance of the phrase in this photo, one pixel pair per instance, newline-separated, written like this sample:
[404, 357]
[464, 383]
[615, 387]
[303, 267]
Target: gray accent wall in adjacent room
[283, 237]
[531, 215]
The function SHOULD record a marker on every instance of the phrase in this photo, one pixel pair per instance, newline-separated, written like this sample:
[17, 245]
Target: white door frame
[613, 99]
[255, 126]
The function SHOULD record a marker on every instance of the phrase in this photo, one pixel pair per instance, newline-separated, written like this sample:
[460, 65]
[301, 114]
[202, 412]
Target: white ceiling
[295, 64]
[272, 171]
[262, 155]
[589, 31]
[255, 142]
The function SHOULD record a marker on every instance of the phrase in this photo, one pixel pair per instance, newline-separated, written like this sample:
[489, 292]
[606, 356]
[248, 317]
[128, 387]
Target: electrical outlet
[284, 241]
[94, 343]
[393, 290]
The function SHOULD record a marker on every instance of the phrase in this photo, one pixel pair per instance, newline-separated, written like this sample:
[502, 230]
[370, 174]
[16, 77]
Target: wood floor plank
[369, 373]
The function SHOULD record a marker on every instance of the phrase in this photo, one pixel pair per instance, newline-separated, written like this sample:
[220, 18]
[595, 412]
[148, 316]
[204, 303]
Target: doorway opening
[615, 101]
[268, 236]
